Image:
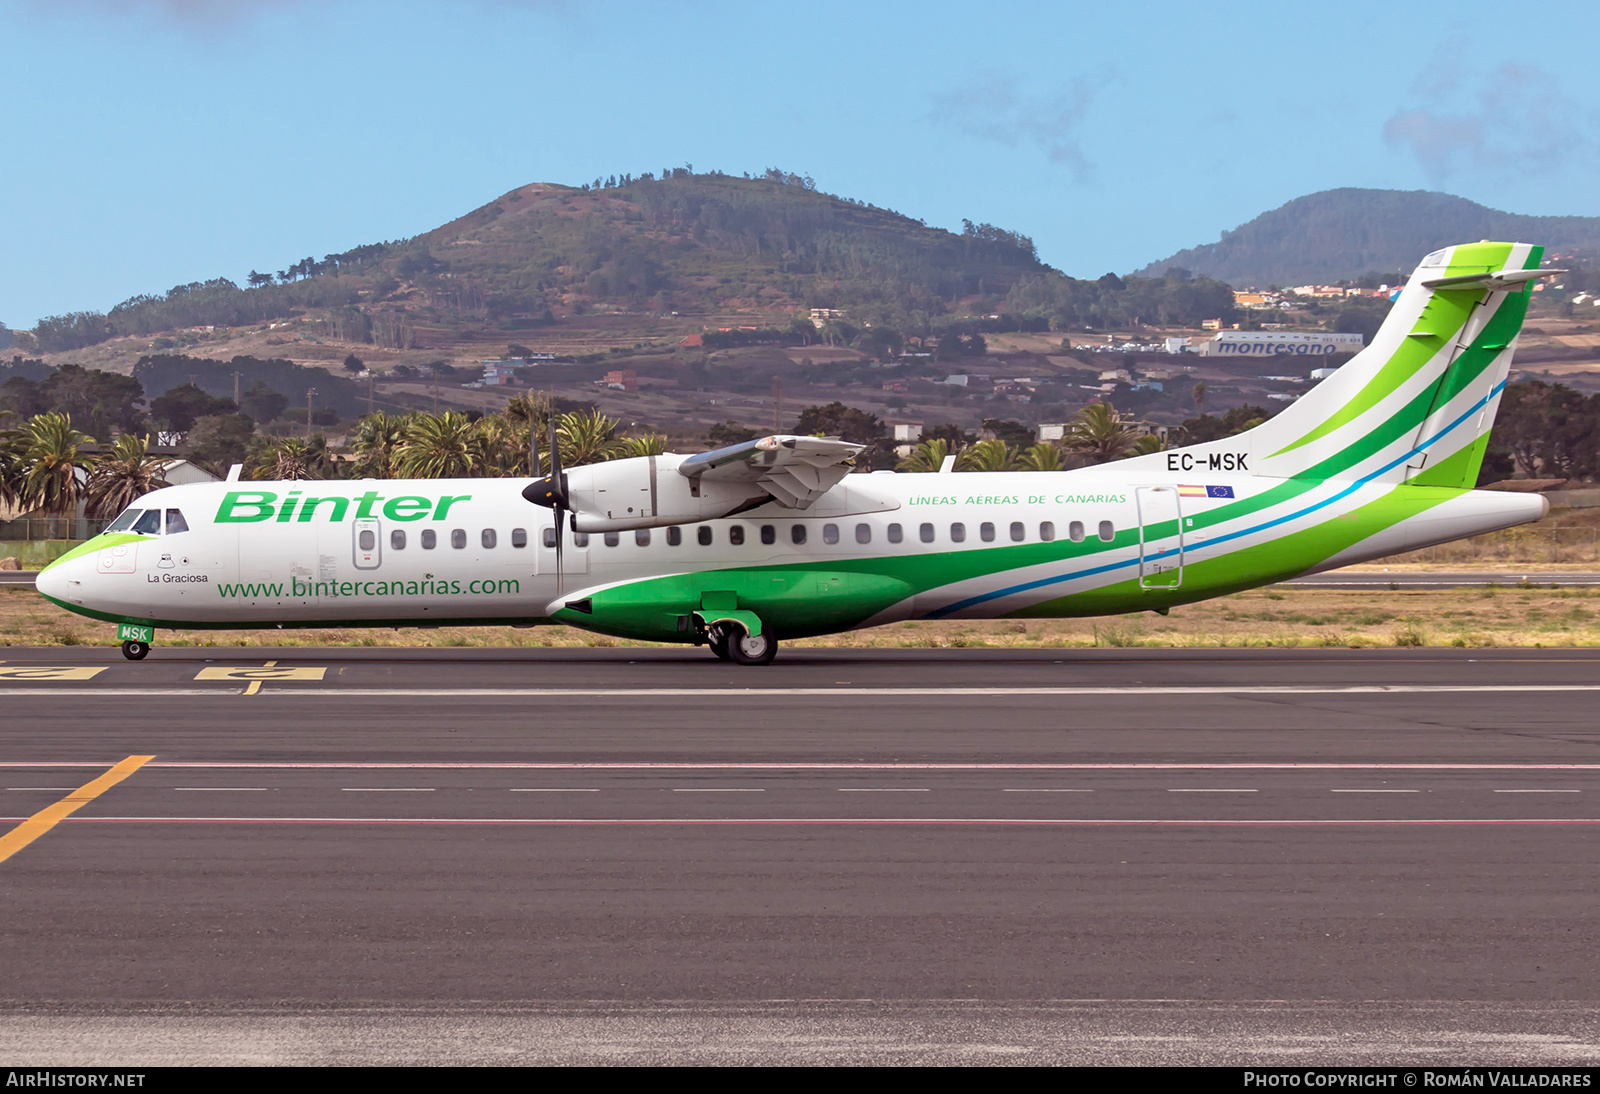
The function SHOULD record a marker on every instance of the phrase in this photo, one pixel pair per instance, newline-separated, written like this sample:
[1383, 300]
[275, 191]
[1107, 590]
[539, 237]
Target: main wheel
[135, 651]
[720, 640]
[753, 649]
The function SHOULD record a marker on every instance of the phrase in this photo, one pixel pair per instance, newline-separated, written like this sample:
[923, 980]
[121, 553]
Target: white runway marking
[1364, 790]
[1538, 791]
[554, 789]
[41, 788]
[719, 790]
[326, 694]
[246, 788]
[883, 790]
[1049, 790]
[387, 789]
[1210, 790]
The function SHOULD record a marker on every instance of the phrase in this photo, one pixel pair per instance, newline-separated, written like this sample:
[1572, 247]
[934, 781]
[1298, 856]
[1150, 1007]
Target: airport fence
[37, 528]
[1532, 543]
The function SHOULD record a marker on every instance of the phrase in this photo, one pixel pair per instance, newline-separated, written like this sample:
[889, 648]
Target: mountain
[1341, 234]
[647, 260]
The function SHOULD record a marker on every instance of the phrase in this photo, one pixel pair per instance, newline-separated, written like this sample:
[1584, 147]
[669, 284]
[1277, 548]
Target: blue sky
[153, 142]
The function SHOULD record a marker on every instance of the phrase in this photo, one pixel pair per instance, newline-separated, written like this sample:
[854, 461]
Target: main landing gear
[135, 651]
[731, 642]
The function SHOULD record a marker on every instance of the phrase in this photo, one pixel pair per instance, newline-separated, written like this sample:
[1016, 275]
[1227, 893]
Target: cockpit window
[125, 521]
[149, 524]
[175, 522]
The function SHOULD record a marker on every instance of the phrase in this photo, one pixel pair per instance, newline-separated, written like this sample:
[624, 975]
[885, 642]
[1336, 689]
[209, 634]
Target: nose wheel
[135, 651]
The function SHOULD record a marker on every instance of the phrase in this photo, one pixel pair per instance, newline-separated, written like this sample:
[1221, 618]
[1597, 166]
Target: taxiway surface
[1000, 831]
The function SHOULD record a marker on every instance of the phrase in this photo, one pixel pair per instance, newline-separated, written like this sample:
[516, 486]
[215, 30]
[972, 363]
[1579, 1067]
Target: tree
[987, 456]
[376, 441]
[723, 434]
[1199, 394]
[259, 279]
[437, 446]
[123, 475]
[353, 363]
[518, 351]
[950, 433]
[181, 406]
[289, 458]
[53, 468]
[218, 441]
[262, 403]
[1010, 431]
[1100, 434]
[1233, 420]
[587, 437]
[926, 457]
[1043, 456]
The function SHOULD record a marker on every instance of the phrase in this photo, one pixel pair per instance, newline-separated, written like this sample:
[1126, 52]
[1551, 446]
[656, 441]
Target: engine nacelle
[648, 492]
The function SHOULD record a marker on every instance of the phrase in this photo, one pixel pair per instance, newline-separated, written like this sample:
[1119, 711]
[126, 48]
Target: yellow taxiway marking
[47, 818]
[38, 672]
[255, 675]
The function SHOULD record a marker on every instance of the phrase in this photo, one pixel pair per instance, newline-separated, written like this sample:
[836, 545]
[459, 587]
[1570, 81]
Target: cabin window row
[429, 539]
[988, 532]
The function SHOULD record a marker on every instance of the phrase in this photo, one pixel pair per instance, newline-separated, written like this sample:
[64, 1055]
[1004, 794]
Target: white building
[1275, 343]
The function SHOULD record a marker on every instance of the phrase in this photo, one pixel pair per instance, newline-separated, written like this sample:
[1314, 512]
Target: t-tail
[1416, 406]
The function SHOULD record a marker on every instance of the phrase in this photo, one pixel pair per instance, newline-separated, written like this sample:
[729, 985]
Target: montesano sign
[1272, 343]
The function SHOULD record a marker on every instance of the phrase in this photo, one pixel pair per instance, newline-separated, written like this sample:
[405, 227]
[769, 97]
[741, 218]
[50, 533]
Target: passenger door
[1160, 537]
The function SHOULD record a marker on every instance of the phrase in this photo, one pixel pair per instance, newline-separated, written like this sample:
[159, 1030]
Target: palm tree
[987, 456]
[438, 446]
[651, 444]
[927, 456]
[1043, 456]
[291, 458]
[123, 475]
[587, 437]
[53, 470]
[12, 467]
[1100, 434]
[377, 437]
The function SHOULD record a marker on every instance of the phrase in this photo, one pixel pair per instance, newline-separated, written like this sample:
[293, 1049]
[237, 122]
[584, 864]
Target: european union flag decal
[1219, 491]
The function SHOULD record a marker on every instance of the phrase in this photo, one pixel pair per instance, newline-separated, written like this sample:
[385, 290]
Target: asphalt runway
[1291, 856]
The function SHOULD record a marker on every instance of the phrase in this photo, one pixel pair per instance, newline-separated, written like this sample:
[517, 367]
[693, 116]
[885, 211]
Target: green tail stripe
[1443, 316]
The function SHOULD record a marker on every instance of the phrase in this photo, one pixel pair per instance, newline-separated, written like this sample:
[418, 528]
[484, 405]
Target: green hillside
[1341, 234]
[686, 246]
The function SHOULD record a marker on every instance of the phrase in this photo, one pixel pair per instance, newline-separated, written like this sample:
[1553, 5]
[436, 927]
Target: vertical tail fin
[1416, 405]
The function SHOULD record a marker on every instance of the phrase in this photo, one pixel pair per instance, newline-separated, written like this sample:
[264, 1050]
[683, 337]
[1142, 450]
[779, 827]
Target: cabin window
[641, 537]
[1075, 531]
[1047, 530]
[896, 533]
[769, 534]
[1018, 532]
[489, 539]
[519, 537]
[149, 524]
[986, 531]
[926, 532]
[958, 533]
[397, 539]
[736, 534]
[830, 533]
[797, 534]
[458, 538]
[580, 539]
[123, 522]
[1107, 532]
[430, 539]
[704, 535]
[613, 538]
[367, 538]
[674, 536]
[175, 522]
[549, 537]
[863, 533]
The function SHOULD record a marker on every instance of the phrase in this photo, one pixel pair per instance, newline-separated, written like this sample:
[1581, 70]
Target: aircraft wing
[796, 471]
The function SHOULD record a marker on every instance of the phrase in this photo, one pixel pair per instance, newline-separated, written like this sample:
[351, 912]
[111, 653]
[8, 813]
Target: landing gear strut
[135, 651]
[719, 644]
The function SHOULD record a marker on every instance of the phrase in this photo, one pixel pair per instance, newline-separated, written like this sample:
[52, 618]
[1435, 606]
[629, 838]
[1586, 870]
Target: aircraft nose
[60, 580]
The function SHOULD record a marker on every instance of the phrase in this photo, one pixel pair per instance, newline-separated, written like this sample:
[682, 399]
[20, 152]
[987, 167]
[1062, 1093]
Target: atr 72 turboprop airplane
[744, 546]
